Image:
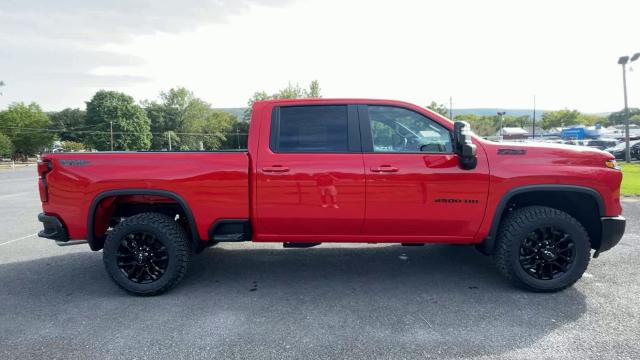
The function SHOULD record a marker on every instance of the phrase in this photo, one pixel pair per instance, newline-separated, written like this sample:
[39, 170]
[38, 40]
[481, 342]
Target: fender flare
[93, 243]
[488, 244]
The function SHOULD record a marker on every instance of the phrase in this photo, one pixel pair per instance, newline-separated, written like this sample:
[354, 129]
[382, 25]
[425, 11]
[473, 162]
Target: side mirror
[463, 146]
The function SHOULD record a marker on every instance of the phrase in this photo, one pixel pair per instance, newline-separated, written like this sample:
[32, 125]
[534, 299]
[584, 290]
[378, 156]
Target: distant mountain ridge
[494, 111]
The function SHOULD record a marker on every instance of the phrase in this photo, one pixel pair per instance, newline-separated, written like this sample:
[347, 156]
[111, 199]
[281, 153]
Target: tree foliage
[560, 118]
[6, 146]
[289, 92]
[564, 118]
[438, 108]
[130, 123]
[26, 126]
[237, 138]
[618, 117]
[490, 125]
[70, 122]
[214, 127]
[73, 146]
[190, 122]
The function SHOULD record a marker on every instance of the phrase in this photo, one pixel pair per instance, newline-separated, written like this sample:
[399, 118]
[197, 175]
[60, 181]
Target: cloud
[105, 21]
[61, 42]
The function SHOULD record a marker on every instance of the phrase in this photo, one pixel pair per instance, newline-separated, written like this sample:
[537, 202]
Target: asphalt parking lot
[256, 301]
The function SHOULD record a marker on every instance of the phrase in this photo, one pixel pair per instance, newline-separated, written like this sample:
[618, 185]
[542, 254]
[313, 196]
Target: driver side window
[396, 129]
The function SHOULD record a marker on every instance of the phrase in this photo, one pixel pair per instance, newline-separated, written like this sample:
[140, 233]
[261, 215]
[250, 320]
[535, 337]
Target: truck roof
[336, 101]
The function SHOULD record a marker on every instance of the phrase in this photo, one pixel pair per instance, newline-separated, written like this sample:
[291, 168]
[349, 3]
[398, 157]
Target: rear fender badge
[74, 162]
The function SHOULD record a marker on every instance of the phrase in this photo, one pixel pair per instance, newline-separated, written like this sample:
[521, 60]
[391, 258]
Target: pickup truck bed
[147, 177]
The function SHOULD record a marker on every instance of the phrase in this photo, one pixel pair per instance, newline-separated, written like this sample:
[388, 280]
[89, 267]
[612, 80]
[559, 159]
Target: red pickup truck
[339, 170]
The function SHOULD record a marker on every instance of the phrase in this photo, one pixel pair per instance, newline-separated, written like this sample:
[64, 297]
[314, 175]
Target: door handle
[385, 168]
[275, 169]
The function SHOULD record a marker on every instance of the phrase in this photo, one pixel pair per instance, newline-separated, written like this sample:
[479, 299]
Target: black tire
[515, 252]
[160, 243]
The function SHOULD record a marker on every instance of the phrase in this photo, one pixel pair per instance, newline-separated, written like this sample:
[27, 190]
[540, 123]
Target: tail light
[44, 167]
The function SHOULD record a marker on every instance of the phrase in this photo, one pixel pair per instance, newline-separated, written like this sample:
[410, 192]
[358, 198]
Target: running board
[297, 245]
[230, 230]
[229, 237]
[71, 242]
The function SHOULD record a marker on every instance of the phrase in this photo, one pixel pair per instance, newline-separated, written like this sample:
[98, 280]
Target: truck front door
[415, 190]
[310, 177]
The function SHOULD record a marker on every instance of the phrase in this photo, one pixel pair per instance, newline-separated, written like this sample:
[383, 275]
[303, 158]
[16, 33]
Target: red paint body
[342, 197]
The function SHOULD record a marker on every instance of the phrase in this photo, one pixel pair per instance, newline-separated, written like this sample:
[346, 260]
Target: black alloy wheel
[547, 253]
[147, 254]
[540, 248]
[142, 258]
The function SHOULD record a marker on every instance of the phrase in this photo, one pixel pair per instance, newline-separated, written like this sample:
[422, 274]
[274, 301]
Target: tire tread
[165, 225]
[509, 233]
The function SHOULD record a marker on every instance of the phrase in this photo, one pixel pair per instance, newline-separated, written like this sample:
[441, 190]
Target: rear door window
[311, 129]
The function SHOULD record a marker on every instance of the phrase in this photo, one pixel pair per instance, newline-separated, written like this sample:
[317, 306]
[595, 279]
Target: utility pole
[501, 114]
[169, 136]
[451, 108]
[623, 60]
[111, 127]
[627, 148]
[533, 128]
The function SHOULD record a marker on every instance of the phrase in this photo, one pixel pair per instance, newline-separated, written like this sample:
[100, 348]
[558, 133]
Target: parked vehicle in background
[601, 143]
[618, 151]
[339, 170]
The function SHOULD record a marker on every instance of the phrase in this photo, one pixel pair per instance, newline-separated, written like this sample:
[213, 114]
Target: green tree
[618, 117]
[289, 92]
[70, 123]
[27, 128]
[238, 136]
[439, 108]
[6, 146]
[591, 120]
[211, 131]
[314, 90]
[522, 121]
[257, 96]
[187, 120]
[481, 125]
[73, 146]
[560, 118]
[130, 123]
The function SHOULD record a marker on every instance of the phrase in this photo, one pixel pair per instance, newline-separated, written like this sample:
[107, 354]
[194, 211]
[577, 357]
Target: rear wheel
[147, 254]
[542, 249]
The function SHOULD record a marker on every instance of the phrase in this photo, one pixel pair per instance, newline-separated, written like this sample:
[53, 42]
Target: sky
[490, 53]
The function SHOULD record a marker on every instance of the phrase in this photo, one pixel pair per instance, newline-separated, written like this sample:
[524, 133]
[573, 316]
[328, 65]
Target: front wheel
[147, 254]
[542, 249]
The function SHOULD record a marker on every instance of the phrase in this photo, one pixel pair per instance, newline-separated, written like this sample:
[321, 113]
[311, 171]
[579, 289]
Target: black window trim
[354, 144]
[366, 137]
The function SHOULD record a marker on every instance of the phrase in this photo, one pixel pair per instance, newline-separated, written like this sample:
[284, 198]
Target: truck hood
[544, 153]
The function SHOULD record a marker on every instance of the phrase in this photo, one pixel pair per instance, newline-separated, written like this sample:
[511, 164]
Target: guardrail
[16, 164]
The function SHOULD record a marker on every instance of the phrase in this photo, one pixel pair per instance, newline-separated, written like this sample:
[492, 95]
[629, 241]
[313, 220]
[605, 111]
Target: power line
[32, 130]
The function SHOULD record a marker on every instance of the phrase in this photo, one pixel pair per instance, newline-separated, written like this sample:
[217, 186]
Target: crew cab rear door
[310, 175]
[415, 190]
